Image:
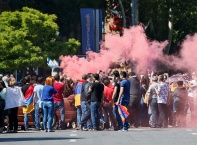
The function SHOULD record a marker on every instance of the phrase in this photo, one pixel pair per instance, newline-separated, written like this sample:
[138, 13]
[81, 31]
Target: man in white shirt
[162, 100]
[37, 101]
[192, 92]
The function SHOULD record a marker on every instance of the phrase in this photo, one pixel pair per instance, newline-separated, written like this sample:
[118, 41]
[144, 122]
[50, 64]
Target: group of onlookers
[35, 95]
[152, 101]
[101, 97]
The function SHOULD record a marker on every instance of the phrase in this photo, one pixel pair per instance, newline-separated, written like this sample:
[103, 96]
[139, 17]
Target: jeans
[134, 110]
[60, 105]
[48, 108]
[154, 112]
[125, 124]
[26, 122]
[117, 116]
[162, 121]
[37, 115]
[2, 106]
[79, 116]
[13, 119]
[86, 120]
[144, 117]
[108, 114]
[95, 113]
[85, 108]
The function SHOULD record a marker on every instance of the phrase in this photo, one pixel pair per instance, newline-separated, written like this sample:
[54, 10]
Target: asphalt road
[140, 136]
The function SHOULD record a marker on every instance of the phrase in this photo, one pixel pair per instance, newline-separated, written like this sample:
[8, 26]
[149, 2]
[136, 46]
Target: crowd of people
[151, 101]
[148, 100]
[35, 95]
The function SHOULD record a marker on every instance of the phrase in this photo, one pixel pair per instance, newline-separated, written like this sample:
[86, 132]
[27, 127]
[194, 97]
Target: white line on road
[194, 133]
[73, 134]
[72, 140]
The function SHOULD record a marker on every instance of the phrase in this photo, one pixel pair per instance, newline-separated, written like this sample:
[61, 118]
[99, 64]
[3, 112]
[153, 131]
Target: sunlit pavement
[134, 136]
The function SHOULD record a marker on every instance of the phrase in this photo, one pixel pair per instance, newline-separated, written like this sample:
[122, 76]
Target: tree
[169, 20]
[67, 12]
[28, 37]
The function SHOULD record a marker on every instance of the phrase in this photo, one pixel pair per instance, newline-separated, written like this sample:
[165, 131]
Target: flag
[14, 98]
[29, 95]
[28, 105]
[78, 93]
[123, 111]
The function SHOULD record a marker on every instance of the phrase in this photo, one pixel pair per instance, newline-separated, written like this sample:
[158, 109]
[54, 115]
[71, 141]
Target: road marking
[194, 133]
[73, 134]
[72, 140]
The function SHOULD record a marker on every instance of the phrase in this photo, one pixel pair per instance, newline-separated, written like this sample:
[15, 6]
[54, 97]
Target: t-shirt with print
[97, 91]
[163, 89]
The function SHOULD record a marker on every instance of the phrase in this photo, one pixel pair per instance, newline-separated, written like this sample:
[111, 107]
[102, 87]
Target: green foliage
[67, 12]
[27, 38]
[184, 14]
[158, 12]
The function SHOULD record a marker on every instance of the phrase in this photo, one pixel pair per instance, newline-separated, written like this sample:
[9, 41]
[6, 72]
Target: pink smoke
[188, 53]
[132, 46]
[186, 60]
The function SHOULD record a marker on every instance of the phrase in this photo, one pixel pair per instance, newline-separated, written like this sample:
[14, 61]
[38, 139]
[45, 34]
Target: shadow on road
[36, 139]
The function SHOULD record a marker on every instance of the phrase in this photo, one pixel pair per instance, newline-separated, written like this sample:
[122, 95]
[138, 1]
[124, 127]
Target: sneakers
[123, 130]
[94, 129]
[78, 127]
[85, 129]
[51, 130]
[9, 131]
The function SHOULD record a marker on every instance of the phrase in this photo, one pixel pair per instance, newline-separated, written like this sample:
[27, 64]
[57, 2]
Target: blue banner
[88, 29]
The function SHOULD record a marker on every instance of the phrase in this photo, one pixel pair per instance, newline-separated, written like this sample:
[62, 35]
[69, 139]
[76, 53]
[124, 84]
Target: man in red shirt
[58, 100]
[107, 103]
